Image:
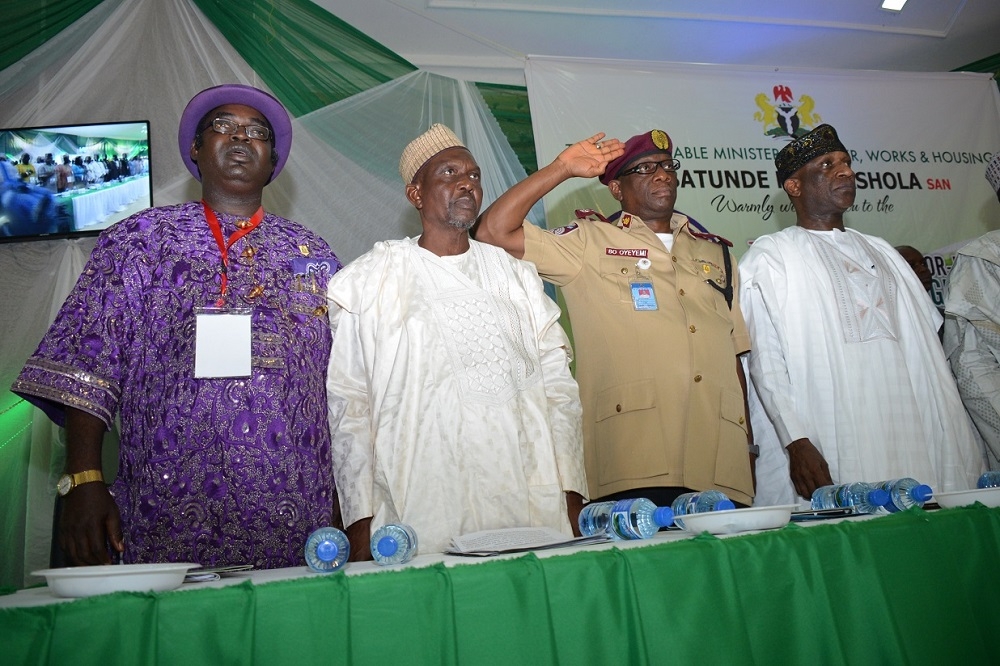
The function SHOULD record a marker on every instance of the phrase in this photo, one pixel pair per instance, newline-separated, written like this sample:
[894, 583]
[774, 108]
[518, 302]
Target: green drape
[314, 59]
[15, 451]
[308, 57]
[11, 143]
[509, 105]
[990, 65]
[28, 25]
[911, 588]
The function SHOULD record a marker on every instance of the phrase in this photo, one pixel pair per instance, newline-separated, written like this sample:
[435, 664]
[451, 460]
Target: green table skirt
[912, 588]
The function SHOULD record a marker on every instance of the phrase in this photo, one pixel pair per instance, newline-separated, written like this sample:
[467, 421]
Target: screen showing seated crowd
[73, 180]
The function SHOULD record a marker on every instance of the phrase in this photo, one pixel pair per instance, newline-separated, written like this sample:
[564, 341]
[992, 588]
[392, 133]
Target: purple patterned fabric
[216, 471]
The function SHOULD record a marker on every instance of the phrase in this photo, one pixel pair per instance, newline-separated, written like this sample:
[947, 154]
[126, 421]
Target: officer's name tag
[643, 297]
[222, 342]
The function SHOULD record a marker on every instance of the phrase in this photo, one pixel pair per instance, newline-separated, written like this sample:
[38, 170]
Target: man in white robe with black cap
[851, 382]
[450, 394]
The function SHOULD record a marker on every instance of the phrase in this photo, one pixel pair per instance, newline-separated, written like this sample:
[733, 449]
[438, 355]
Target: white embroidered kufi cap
[424, 147]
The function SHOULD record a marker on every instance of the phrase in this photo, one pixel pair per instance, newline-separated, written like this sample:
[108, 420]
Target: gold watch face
[65, 484]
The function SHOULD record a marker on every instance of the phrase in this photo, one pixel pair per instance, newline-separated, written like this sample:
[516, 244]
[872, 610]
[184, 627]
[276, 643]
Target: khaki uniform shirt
[662, 403]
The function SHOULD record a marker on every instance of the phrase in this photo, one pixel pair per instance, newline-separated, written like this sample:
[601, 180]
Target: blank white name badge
[222, 342]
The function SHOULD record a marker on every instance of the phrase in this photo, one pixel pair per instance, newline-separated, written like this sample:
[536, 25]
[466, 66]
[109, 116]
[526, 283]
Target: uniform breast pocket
[617, 274]
[732, 466]
[706, 282]
[629, 436]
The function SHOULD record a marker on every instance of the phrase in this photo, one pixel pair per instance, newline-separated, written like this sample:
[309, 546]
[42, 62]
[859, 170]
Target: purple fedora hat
[235, 93]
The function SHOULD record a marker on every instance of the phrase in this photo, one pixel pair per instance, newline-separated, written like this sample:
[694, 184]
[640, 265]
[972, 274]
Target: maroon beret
[653, 141]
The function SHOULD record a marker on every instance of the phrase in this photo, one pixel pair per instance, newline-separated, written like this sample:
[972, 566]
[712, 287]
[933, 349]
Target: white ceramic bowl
[102, 579]
[739, 520]
[986, 496]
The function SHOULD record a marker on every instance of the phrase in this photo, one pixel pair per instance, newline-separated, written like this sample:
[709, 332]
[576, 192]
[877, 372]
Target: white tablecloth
[97, 206]
[41, 596]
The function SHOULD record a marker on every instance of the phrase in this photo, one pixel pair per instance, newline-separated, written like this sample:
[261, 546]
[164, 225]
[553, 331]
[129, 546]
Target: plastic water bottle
[595, 518]
[904, 493]
[639, 518]
[700, 502]
[393, 543]
[624, 519]
[860, 497]
[989, 480]
[327, 550]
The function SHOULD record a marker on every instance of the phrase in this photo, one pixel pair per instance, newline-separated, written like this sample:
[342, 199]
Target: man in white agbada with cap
[450, 394]
[972, 327]
[851, 383]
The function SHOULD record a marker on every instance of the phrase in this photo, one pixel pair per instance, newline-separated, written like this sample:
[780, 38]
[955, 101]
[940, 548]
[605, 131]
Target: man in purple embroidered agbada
[215, 467]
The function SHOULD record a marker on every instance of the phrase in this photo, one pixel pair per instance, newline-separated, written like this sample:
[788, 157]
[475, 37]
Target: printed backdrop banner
[920, 142]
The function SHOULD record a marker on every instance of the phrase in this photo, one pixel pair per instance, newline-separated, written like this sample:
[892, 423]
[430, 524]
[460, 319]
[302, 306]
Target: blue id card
[643, 297]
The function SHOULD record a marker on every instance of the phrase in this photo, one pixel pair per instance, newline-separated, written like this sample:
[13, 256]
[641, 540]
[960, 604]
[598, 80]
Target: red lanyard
[216, 227]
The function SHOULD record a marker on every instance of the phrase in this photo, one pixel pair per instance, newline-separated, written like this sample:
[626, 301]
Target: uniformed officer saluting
[656, 322]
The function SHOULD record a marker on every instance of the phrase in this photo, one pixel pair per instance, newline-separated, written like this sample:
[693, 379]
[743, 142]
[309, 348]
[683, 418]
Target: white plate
[739, 520]
[986, 496]
[102, 579]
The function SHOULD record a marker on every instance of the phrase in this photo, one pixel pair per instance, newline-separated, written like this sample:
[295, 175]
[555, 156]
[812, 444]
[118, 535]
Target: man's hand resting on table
[807, 467]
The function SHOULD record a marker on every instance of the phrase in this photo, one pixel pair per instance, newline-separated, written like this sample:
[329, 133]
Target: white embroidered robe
[451, 401]
[972, 335]
[845, 352]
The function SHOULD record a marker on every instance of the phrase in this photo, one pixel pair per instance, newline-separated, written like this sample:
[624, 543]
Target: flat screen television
[72, 180]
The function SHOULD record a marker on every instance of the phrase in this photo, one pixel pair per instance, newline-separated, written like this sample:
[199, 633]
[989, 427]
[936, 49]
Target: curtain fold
[308, 57]
[509, 105]
[28, 25]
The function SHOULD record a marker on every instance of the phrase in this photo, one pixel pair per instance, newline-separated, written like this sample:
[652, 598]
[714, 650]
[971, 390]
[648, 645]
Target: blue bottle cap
[921, 493]
[663, 516]
[327, 550]
[989, 480]
[724, 505]
[387, 546]
[879, 497]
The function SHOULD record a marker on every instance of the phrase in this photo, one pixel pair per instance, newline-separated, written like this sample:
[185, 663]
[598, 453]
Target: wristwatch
[68, 482]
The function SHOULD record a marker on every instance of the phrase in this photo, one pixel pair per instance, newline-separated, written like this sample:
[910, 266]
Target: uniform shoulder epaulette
[727, 259]
[715, 238]
[704, 233]
[590, 215]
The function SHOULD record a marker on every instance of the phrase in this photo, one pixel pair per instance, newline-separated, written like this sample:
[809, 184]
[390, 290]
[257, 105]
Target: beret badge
[660, 139]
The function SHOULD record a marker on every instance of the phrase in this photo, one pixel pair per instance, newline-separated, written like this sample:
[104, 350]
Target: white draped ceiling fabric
[132, 60]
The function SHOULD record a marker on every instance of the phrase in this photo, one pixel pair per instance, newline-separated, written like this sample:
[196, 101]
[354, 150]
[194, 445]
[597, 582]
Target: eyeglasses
[223, 126]
[649, 168]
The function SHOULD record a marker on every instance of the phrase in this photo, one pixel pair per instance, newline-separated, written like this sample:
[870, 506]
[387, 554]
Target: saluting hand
[588, 158]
